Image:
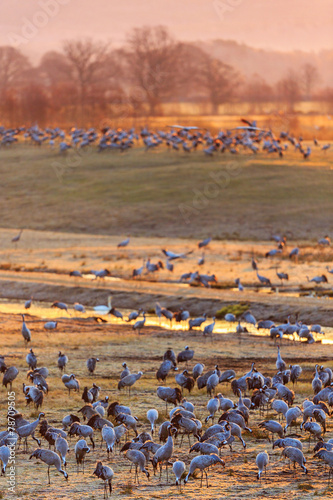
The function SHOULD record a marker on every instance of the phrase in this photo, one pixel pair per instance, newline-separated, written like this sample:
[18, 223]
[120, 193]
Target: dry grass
[143, 193]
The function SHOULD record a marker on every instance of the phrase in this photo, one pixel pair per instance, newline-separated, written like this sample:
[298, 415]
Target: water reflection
[43, 310]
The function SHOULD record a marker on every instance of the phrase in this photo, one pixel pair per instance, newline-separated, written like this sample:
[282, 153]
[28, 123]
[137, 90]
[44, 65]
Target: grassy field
[113, 344]
[166, 193]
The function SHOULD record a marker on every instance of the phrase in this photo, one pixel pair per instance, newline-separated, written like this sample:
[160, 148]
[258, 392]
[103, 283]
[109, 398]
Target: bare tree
[87, 60]
[153, 59]
[13, 65]
[289, 90]
[309, 78]
[219, 80]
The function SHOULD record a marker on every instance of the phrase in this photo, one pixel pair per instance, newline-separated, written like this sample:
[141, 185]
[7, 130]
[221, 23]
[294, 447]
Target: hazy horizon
[260, 24]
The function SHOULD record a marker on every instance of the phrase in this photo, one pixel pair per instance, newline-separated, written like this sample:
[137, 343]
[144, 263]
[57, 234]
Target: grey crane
[139, 460]
[9, 376]
[198, 370]
[68, 420]
[91, 364]
[225, 403]
[313, 428]
[31, 360]
[71, 383]
[185, 381]
[197, 321]
[294, 254]
[164, 369]
[212, 382]
[123, 243]
[283, 443]
[17, 238]
[134, 315]
[280, 407]
[33, 394]
[204, 242]
[49, 458]
[189, 425]
[80, 450]
[280, 364]
[208, 330]
[265, 281]
[203, 462]
[115, 409]
[282, 276]
[291, 416]
[327, 457]
[262, 460]
[28, 303]
[129, 381]
[138, 325]
[317, 384]
[106, 474]
[318, 279]
[152, 416]
[50, 325]
[126, 371]
[273, 427]
[204, 448]
[185, 356]
[178, 469]
[26, 334]
[81, 430]
[128, 420]
[295, 373]
[295, 455]
[170, 355]
[212, 406]
[187, 405]
[62, 361]
[169, 395]
[27, 430]
[60, 305]
[61, 446]
[109, 436]
[164, 453]
[4, 457]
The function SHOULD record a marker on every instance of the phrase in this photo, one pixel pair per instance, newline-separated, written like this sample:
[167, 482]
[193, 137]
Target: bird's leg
[206, 478]
[48, 474]
[201, 479]
[167, 471]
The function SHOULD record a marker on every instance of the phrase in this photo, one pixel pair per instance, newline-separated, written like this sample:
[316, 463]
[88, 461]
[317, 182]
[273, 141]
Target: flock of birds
[248, 138]
[151, 449]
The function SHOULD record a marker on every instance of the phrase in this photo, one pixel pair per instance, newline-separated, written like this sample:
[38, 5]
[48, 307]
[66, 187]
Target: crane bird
[49, 458]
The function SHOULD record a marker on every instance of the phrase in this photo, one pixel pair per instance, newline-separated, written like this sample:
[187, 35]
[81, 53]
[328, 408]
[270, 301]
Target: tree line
[86, 81]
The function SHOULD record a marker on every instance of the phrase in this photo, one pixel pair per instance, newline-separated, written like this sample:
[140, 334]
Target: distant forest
[154, 75]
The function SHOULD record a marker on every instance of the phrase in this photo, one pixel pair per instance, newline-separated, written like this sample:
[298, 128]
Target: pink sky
[275, 24]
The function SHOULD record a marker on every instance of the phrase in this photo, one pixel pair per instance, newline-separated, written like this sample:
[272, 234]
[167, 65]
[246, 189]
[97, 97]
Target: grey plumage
[80, 450]
[81, 430]
[296, 456]
[201, 463]
[62, 361]
[106, 474]
[262, 460]
[4, 457]
[49, 458]
[91, 364]
[129, 381]
[139, 460]
[9, 376]
[26, 334]
[31, 359]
